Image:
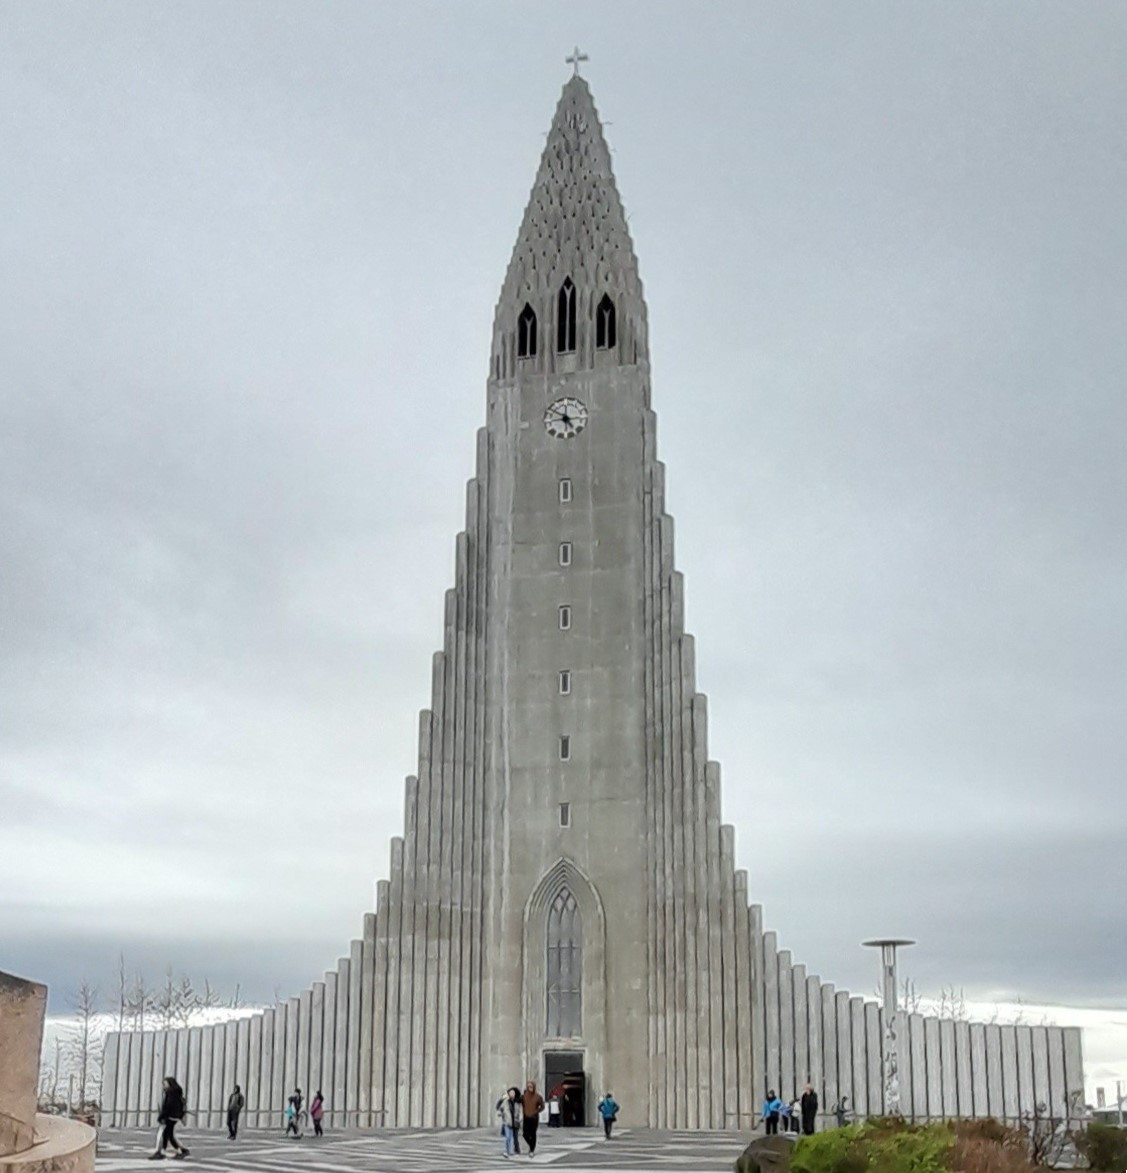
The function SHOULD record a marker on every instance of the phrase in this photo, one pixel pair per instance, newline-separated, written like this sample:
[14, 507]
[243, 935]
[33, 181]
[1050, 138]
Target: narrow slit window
[565, 814]
[565, 619]
[565, 490]
[565, 318]
[565, 682]
[565, 748]
[565, 553]
[526, 332]
[606, 331]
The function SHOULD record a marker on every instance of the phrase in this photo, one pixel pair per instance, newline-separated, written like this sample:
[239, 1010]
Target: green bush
[883, 1145]
[1105, 1147]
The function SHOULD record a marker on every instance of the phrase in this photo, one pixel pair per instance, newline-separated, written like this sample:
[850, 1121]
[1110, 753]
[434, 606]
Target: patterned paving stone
[405, 1151]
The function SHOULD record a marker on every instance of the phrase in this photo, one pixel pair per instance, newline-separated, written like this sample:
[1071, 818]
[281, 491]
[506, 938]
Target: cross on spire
[575, 59]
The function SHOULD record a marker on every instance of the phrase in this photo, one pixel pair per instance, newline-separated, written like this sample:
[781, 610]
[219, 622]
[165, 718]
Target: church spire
[574, 230]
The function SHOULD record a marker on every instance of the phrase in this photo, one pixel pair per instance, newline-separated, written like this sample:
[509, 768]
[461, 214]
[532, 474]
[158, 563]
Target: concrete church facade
[565, 897]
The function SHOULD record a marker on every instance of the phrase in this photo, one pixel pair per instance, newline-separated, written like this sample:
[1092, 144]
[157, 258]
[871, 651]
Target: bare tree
[139, 1001]
[122, 992]
[84, 1042]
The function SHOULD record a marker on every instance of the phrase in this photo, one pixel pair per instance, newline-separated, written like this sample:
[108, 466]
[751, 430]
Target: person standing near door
[608, 1109]
[532, 1104]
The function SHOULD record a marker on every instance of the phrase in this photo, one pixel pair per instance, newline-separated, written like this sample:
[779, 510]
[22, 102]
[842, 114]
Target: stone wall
[23, 1005]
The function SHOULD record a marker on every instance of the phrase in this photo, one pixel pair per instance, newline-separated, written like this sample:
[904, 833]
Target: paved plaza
[406, 1151]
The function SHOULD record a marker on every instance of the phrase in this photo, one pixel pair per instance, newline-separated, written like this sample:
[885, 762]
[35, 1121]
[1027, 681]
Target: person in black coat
[171, 1113]
[809, 1109]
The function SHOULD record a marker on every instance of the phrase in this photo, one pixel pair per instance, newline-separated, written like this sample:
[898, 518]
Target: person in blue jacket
[608, 1110]
[772, 1109]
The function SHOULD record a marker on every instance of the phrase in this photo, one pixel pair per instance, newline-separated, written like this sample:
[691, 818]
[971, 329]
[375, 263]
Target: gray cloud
[250, 259]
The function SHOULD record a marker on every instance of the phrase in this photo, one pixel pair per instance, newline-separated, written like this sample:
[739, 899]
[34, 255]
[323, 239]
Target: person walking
[809, 1109]
[508, 1111]
[608, 1110]
[841, 1111]
[316, 1112]
[171, 1113]
[531, 1105]
[293, 1114]
[772, 1108]
[235, 1103]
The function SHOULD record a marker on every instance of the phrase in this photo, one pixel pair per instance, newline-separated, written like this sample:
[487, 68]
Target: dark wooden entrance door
[565, 1081]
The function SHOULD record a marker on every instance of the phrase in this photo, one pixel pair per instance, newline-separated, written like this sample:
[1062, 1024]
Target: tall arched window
[565, 968]
[526, 332]
[565, 318]
[606, 332]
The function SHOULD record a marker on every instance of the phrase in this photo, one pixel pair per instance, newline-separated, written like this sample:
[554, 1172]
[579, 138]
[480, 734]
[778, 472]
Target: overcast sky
[248, 261]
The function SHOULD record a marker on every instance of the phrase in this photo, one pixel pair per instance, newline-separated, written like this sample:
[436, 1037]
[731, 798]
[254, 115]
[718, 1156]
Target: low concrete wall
[61, 1146]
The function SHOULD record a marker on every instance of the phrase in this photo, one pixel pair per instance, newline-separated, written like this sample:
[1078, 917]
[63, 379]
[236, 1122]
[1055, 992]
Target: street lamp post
[891, 1051]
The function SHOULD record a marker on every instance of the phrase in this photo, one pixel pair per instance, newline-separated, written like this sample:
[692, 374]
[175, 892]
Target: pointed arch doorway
[564, 987]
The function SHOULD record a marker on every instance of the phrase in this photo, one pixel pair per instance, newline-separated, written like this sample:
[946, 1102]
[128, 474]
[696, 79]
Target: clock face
[565, 418]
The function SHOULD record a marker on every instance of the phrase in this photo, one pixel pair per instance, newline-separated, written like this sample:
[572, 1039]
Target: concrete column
[264, 1117]
[432, 939]
[379, 1007]
[363, 1100]
[355, 1026]
[145, 1085]
[979, 1092]
[339, 1106]
[801, 1039]
[469, 1106]
[316, 1037]
[964, 1083]
[293, 1028]
[683, 763]
[329, 1042]
[217, 1115]
[207, 1066]
[832, 1089]
[393, 983]
[655, 783]
[757, 998]
[1058, 1087]
[452, 1062]
[407, 956]
[109, 1079]
[419, 990]
[675, 952]
[195, 1064]
[718, 881]
[301, 1068]
[1009, 1074]
[136, 1070]
[918, 1033]
[1073, 1074]
[254, 1060]
[771, 1009]
[934, 1068]
[749, 999]
[230, 1066]
[704, 849]
[814, 1038]
[1026, 1101]
[874, 1066]
[737, 1062]
[279, 1089]
[1041, 1094]
[859, 1056]
[243, 1060]
[904, 1049]
[995, 1102]
[845, 1049]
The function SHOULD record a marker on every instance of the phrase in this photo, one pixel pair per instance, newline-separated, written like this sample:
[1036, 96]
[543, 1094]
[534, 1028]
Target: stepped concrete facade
[565, 895]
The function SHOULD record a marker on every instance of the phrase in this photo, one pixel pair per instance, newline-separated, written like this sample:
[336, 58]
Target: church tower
[564, 905]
